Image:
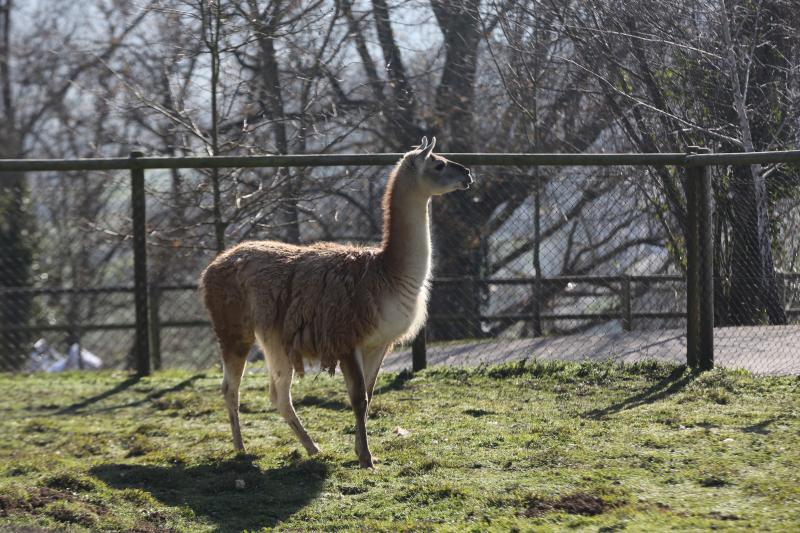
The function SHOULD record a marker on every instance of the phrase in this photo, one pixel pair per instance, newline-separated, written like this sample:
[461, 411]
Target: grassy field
[530, 447]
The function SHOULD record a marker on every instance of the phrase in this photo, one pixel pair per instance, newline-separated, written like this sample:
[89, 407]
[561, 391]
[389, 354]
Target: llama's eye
[440, 166]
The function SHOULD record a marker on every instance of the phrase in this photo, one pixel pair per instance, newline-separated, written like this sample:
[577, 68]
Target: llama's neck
[406, 233]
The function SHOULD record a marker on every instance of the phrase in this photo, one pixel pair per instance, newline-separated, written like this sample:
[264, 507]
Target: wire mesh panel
[756, 252]
[572, 263]
[67, 280]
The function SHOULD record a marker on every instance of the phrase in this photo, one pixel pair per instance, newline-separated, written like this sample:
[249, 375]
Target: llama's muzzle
[467, 181]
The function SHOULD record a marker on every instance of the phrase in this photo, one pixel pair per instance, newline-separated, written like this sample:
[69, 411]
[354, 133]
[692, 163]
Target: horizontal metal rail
[518, 317]
[589, 279]
[323, 160]
[102, 327]
[743, 158]
[654, 278]
[206, 323]
[38, 291]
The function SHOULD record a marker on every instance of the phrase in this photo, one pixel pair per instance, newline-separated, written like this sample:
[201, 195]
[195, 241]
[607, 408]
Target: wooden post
[627, 318]
[706, 238]
[419, 355]
[155, 326]
[694, 175]
[141, 344]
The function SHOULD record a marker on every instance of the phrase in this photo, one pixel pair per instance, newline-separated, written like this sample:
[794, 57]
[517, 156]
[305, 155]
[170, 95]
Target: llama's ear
[426, 152]
[423, 144]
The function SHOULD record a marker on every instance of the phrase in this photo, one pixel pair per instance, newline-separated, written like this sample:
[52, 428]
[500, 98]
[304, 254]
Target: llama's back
[319, 300]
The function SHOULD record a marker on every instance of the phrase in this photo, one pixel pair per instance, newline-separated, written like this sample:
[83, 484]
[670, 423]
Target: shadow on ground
[121, 387]
[116, 389]
[313, 400]
[672, 384]
[268, 497]
[398, 382]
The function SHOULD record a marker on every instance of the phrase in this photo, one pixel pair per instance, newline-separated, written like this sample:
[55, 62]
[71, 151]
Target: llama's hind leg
[233, 362]
[281, 373]
[356, 387]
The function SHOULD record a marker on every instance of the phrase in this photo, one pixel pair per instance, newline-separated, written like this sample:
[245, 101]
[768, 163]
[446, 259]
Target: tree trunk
[16, 232]
[288, 220]
[400, 116]
[745, 293]
[750, 186]
[455, 216]
[15, 271]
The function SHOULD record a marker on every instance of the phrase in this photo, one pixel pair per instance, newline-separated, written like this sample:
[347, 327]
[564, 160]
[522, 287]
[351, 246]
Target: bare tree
[675, 77]
[35, 98]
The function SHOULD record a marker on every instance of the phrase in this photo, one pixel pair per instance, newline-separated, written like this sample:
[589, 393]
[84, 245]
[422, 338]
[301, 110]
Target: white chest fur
[403, 315]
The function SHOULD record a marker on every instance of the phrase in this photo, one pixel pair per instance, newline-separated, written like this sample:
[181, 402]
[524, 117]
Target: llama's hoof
[312, 449]
[366, 462]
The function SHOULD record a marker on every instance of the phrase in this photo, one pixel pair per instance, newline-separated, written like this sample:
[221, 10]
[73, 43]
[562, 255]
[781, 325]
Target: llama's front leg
[356, 388]
[373, 359]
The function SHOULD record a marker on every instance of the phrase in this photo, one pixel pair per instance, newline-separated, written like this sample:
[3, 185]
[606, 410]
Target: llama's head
[434, 174]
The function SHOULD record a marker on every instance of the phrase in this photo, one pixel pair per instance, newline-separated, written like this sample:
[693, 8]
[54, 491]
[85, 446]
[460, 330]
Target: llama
[335, 304]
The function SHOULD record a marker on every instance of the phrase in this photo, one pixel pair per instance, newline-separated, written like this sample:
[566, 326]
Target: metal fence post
[419, 352]
[706, 238]
[141, 344]
[155, 325]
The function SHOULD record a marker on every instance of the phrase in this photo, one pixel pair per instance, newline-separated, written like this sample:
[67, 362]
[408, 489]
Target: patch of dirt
[36, 500]
[40, 498]
[147, 527]
[578, 503]
[154, 522]
[28, 529]
[72, 516]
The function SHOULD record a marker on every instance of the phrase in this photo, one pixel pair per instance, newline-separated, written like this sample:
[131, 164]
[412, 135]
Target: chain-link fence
[577, 260]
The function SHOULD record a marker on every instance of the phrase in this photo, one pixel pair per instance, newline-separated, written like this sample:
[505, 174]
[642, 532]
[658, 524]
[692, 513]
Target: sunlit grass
[533, 447]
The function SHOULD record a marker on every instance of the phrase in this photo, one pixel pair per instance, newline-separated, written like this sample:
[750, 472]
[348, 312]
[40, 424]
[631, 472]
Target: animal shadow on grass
[268, 497]
[122, 386]
[397, 382]
[673, 383]
[312, 400]
[116, 389]
[760, 428]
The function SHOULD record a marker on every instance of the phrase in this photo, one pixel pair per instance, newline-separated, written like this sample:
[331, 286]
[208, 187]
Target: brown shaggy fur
[321, 299]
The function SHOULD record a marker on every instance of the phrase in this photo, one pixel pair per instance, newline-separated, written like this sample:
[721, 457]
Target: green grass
[532, 447]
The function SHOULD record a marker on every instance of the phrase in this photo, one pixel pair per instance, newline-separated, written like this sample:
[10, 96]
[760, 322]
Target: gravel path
[760, 349]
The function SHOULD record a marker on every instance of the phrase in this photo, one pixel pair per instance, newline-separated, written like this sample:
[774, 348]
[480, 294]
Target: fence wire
[569, 263]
